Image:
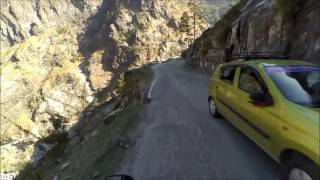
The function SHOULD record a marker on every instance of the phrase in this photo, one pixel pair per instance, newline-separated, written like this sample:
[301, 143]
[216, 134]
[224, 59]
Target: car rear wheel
[301, 168]
[213, 108]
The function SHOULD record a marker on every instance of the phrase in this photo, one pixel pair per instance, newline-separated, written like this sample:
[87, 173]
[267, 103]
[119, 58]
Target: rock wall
[57, 57]
[261, 27]
[22, 19]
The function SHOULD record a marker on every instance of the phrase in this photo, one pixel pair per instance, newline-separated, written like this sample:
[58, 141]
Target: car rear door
[255, 121]
[225, 89]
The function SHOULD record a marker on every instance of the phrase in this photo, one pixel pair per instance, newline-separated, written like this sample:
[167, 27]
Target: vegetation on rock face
[185, 23]
[204, 10]
[131, 82]
[185, 26]
[223, 27]
[200, 10]
[208, 12]
[287, 26]
[220, 32]
[289, 8]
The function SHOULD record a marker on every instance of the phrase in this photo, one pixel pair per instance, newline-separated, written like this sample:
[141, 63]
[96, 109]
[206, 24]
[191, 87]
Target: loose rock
[96, 174]
[65, 166]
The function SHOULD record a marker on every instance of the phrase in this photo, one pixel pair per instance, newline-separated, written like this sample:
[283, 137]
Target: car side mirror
[261, 99]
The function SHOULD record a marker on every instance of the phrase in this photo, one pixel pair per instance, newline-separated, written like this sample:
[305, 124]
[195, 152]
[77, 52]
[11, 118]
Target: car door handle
[285, 128]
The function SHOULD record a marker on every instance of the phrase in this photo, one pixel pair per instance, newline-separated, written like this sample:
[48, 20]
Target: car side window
[227, 74]
[249, 81]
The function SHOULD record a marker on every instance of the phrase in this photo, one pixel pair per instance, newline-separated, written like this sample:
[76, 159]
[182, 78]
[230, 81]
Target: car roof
[268, 62]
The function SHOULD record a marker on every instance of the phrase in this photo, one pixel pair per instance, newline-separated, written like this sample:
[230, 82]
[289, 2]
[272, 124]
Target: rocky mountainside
[57, 57]
[223, 5]
[42, 88]
[287, 27]
[23, 19]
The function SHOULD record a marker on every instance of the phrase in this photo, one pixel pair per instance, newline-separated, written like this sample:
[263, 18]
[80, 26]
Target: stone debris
[65, 165]
[89, 113]
[96, 174]
[124, 142]
[72, 133]
[114, 112]
[95, 133]
[74, 141]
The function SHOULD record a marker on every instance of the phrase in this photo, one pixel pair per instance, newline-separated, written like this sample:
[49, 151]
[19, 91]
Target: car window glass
[248, 81]
[313, 78]
[227, 74]
[299, 84]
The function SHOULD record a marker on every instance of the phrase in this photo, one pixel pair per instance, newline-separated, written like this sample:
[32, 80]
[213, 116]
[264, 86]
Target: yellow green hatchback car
[276, 103]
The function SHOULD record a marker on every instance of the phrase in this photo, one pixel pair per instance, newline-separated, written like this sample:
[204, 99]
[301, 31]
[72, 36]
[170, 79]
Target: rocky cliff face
[23, 19]
[42, 89]
[129, 34]
[58, 56]
[261, 26]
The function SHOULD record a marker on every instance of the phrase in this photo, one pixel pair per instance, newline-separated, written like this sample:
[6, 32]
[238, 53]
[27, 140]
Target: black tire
[302, 164]
[213, 108]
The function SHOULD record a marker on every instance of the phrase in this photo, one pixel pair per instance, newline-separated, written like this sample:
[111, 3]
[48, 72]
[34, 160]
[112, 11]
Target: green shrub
[56, 138]
[76, 58]
[185, 23]
[62, 30]
[130, 82]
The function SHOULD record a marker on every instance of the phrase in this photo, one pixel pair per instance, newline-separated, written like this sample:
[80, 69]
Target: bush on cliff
[219, 33]
[130, 83]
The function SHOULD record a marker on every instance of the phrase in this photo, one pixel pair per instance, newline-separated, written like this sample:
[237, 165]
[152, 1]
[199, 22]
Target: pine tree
[185, 26]
[204, 10]
[184, 23]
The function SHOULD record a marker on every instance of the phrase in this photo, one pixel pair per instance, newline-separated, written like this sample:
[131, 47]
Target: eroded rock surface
[42, 91]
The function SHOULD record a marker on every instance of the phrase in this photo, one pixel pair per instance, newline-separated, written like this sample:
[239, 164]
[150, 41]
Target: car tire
[213, 108]
[301, 168]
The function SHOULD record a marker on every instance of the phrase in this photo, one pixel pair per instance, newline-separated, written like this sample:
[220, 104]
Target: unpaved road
[180, 140]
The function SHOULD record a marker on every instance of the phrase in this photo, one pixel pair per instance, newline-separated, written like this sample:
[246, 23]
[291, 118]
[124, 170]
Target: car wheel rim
[299, 174]
[212, 107]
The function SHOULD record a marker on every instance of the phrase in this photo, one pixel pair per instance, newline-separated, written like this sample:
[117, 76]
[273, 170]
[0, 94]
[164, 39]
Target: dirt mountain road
[180, 140]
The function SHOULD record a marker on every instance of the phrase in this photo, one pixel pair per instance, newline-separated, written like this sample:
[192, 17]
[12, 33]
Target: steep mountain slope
[42, 89]
[288, 27]
[223, 5]
[57, 57]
